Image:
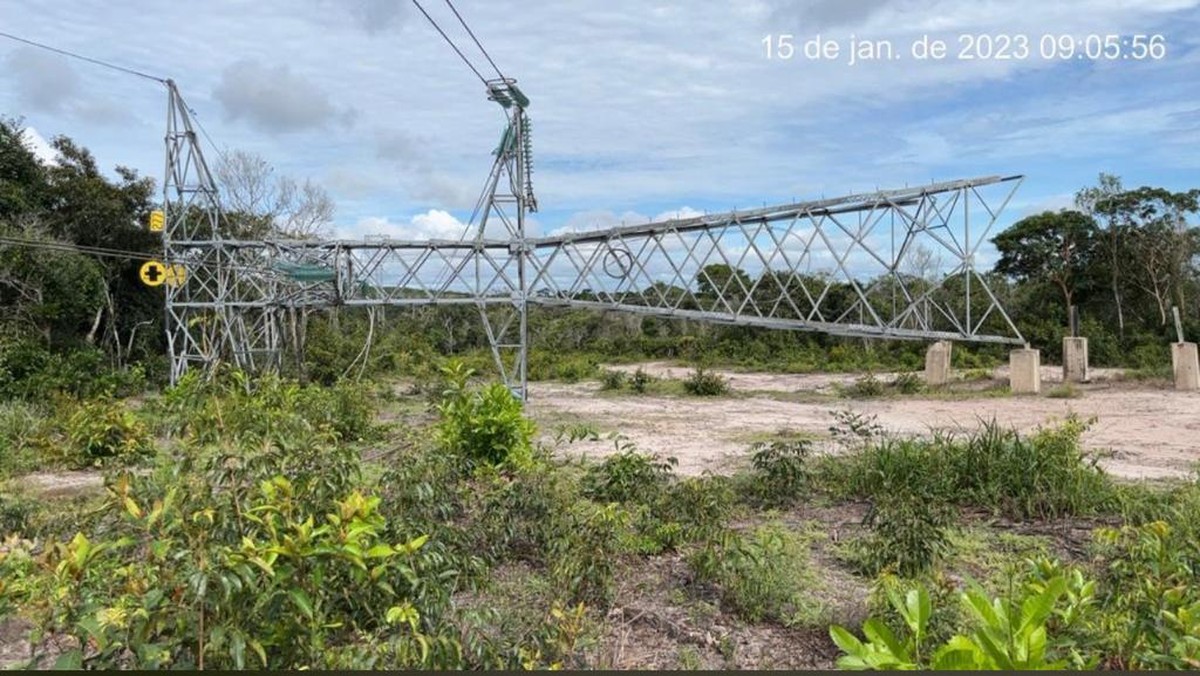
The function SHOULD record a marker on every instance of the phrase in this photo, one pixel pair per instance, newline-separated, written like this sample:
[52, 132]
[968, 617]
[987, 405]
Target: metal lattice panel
[888, 264]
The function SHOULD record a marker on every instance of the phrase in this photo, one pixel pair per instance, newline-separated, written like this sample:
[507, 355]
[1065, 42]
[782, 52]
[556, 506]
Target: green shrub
[1007, 633]
[612, 380]
[908, 534]
[628, 476]
[640, 381]
[102, 431]
[1064, 391]
[234, 406]
[21, 424]
[704, 383]
[948, 615]
[1043, 475]
[585, 555]
[484, 425]
[763, 576]
[908, 383]
[780, 471]
[865, 387]
[688, 510]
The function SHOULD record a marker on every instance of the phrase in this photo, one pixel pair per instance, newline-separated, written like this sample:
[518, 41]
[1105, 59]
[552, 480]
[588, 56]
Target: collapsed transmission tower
[896, 264]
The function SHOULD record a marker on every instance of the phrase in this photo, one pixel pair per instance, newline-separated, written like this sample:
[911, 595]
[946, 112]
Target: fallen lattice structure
[896, 264]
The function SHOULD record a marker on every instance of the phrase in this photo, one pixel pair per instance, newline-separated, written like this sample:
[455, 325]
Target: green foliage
[781, 474]
[21, 425]
[486, 425]
[1064, 391]
[640, 381]
[1043, 475]
[908, 383]
[762, 576]
[103, 430]
[704, 383]
[865, 387]
[584, 563]
[628, 476]
[948, 613]
[31, 372]
[612, 380]
[699, 506]
[1008, 633]
[908, 532]
[218, 577]
[1148, 601]
[234, 406]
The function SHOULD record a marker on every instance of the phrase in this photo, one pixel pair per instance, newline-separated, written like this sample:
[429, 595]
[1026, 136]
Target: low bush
[908, 533]
[1007, 633]
[908, 383]
[780, 472]
[865, 387]
[612, 380]
[628, 476]
[97, 433]
[762, 576]
[640, 381]
[485, 424]
[21, 425]
[1043, 475]
[704, 383]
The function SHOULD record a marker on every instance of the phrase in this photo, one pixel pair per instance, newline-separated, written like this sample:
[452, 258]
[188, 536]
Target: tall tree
[1159, 240]
[261, 204]
[1086, 200]
[1053, 247]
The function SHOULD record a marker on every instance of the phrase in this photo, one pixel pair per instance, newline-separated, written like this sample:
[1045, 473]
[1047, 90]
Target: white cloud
[433, 224]
[40, 147]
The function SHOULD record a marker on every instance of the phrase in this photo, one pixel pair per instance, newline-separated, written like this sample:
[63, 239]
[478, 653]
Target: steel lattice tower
[849, 266]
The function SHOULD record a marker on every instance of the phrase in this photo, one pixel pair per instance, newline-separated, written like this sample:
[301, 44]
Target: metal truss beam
[894, 264]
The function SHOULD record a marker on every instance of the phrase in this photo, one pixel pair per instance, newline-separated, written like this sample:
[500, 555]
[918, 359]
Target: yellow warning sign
[156, 221]
[153, 273]
[175, 275]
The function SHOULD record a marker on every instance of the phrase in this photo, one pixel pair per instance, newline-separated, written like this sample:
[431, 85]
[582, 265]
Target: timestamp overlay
[854, 50]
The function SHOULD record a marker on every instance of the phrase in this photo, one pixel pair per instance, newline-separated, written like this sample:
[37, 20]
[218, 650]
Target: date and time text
[855, 50]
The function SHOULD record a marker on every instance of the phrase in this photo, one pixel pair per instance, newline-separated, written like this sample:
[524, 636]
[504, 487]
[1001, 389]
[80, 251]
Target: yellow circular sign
[176, 275]
[153, 273]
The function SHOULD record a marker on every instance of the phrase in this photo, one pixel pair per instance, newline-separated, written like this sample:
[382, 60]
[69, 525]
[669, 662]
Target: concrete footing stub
[937, 363]
[1024, 371]
[1186, 366]
[1075, 360]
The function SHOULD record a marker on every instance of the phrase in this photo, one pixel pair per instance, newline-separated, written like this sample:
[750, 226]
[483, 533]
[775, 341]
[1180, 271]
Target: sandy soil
[1141, 430]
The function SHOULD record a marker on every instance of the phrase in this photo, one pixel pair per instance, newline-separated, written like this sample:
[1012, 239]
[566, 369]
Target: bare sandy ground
[1141, 431]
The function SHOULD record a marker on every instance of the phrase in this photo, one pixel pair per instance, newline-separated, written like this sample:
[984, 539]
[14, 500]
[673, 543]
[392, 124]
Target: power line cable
[73, 55]
[451, 43]
[477, 43]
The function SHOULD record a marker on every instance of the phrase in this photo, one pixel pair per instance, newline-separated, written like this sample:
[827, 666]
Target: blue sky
[639, 107]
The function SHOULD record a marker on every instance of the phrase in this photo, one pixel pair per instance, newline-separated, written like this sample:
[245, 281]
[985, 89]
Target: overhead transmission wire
[451, 43]
[123, 254]
[73, 55]
[477, 43]
[442, 278]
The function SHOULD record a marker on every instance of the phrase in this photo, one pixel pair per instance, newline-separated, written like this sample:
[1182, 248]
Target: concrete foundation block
[937, 363]
[1186, 366]
[1024, 371]
[1075, 360]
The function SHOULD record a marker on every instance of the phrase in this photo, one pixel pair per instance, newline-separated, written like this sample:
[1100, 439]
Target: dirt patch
[14, 642]
[1140, 431]
[659, 622]
[62, 484]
